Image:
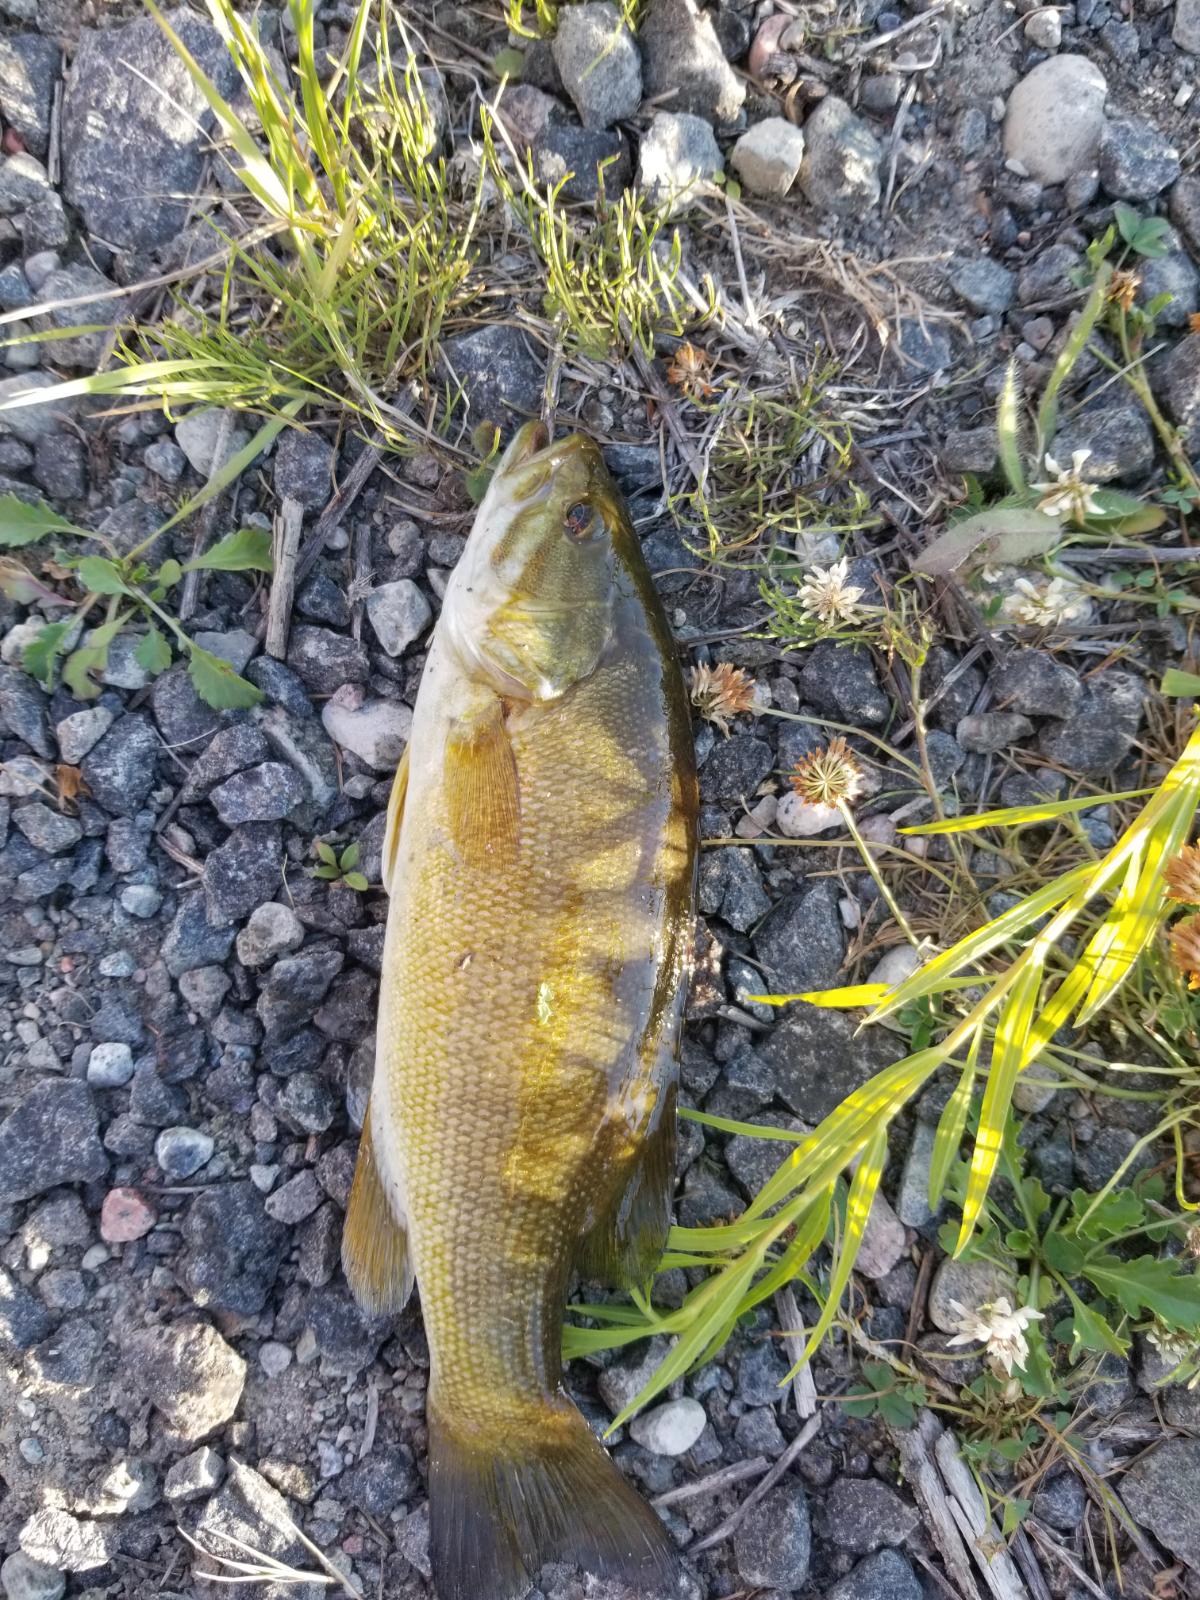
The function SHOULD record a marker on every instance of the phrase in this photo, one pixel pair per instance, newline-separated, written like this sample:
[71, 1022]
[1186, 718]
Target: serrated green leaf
[40, 657]
[248, 550]
[1118, 1212]
[1148, 1284]
[98, 575]
[153, 653]
[22, 523]
[217, 684]
[1091, 1331]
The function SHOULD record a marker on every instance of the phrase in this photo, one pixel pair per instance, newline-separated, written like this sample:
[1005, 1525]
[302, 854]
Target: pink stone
[125, 1216]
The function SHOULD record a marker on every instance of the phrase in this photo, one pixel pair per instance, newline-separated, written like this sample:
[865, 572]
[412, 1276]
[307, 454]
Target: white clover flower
[828, 594]
[1001, 1329]
[1172, 1345]
[1046, 605]
[1069, 495]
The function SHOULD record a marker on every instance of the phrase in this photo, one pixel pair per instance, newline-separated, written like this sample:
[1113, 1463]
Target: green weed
[340, 868]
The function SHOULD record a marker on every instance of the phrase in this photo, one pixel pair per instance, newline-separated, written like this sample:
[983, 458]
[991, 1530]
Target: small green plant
[129, 591]
[611, 281]
[340, 868]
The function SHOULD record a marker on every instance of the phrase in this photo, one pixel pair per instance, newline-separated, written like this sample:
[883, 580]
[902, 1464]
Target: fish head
[530, 604]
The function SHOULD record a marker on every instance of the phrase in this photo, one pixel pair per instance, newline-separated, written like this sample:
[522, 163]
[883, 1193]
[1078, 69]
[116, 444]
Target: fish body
[540, 862]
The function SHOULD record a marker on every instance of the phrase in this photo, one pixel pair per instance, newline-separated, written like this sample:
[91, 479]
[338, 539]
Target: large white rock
[669, 1429]
[767, 157]
[376, 731]
[399, 613]
[1055, 118]
[1186, 32]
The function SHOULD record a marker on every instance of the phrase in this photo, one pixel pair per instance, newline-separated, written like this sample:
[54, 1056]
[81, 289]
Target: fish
[540, 860]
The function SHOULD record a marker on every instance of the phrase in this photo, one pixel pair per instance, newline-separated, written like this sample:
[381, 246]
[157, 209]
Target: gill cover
[530, 604]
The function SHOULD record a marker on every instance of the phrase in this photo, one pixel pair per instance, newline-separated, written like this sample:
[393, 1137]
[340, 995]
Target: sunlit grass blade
[863, 1189]
[1020, 816]
[1047, 415]
[947, 1140]
[854, 994]
[1008, 430]
[1007, 1059]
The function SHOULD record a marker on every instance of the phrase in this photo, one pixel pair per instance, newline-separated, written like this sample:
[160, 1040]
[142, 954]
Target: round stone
[1055, 118]
[180, 1152]
[670, 1429]
[125, 1216]
[274, 1358]
[23, 1578]
[970, 1284]
[110, 1065]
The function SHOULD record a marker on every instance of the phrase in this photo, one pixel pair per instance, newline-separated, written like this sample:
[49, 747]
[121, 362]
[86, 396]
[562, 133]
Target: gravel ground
[186, 1013]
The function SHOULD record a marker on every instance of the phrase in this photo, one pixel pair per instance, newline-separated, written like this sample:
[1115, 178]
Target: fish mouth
[533, 445]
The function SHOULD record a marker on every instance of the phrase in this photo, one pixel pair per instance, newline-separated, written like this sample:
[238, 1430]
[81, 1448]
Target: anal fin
[626, 1242]
[482, 795]
[374, 1244]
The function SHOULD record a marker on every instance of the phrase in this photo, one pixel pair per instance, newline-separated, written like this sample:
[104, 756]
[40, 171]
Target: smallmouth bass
[540, 860]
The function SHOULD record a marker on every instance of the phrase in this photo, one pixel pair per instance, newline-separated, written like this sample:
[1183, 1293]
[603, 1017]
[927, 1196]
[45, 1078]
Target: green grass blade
[947, 1141]
[1047, 416]
[863, 1188]
[1020, 816]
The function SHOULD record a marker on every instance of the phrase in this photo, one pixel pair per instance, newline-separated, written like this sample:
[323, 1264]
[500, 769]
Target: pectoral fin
[374, 1244]
[482, 794]
[395, 816]
[626, 1242]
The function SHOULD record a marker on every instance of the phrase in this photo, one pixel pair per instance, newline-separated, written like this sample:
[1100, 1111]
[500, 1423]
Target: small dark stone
[307, 1103]
[1104, 1156]
[886, 1575]
[760, 1373]
[266, 793]
[347, 1338]
[731, 887]
[840, 681]
[60, 466]
[153, 1101]
[923, 347]
[1137, 160]
[69, 1356]
[29, 69]
[320, 1245]
[773, 1544]
[987, 732]
[324, 600]
[861, 1514]
[243, 872]
[24, 1320]
[229, 751]
[1118, 434]
[1047, 280]
[294, 989]
[383, 1481]
[736, 767]
[304, 468]
[120, 770]
[706, 1197]
[183, 718]
[985, 285]
[234, 1249]
[192, 941]
[1162, 1490]
[324, 660]
[561, 149]
[501, 378]
[23, 711]
[50, 1137]
[1061, 1501]
[802, 943]
[280, 685]
[818, 1058]
[1035, 684]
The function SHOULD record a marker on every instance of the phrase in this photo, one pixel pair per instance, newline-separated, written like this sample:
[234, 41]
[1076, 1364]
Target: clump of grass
[1004, 992]
[338, 293]
[612, 280]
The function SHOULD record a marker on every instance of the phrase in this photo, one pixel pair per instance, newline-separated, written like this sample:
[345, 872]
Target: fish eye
[582, 523]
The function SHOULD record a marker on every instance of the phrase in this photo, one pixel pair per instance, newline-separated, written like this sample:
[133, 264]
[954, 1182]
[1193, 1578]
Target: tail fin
[497, 1516]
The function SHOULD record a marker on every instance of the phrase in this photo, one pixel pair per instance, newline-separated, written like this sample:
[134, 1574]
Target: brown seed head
[690, 369]
[826, 777]
[1182, 876]
[721, 693]
[1185, 949]
[1123, 287]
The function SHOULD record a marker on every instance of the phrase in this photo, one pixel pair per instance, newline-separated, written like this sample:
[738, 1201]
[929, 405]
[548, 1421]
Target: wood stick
[285, 544]
[718, 1536]
[794, 1341]
[716, 1481]
[923, 1477]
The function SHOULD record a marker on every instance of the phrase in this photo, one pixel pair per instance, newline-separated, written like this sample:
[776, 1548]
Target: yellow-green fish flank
[540, 861]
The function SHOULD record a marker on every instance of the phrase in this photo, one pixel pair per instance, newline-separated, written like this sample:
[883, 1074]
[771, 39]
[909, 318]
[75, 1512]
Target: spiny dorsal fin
[626, 1242]
[395, 816]
[482, 796]
[374, 1245]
